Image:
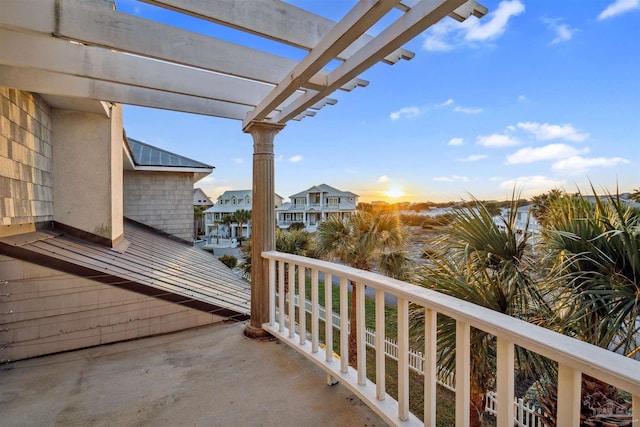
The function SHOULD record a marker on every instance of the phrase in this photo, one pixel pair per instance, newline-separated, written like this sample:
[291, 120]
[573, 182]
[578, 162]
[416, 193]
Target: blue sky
[536, 95]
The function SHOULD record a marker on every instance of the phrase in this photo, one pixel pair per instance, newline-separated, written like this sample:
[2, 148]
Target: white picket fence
[526, 415]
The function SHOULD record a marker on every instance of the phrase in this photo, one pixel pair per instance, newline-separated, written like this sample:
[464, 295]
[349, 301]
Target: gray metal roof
[148, 155]
[148, 263]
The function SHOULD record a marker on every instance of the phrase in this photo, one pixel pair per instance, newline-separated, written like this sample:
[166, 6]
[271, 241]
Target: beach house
[314, 205]
[216, 217]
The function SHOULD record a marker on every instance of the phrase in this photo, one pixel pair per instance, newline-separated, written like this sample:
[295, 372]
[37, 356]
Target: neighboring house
[201, 199]
[74, 273]
[524, 220]
[315, 205]
[227, 204]
[157, 188]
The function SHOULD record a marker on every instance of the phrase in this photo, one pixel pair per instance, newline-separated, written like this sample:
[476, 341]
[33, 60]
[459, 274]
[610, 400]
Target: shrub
[229, 260]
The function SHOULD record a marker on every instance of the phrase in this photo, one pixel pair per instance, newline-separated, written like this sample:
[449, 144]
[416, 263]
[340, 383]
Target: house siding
[162, 200]
[44, 311]
[26, 184]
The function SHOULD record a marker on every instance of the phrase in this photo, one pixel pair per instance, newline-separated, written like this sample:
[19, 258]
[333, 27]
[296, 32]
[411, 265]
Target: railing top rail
[603, 364]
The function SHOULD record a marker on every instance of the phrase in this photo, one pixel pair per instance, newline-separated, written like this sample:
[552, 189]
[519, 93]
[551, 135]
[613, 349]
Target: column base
[258, 334]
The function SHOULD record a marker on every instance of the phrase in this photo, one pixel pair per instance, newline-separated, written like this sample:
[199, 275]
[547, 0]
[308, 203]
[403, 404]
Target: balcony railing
[290, 325]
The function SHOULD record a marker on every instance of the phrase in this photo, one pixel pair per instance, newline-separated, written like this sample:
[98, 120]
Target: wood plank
[90, 24]
[278, 21]
[59, 56]
[80, 87]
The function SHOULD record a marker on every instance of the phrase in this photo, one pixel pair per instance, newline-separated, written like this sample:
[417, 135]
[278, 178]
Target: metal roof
[147, 155]
[145, 262]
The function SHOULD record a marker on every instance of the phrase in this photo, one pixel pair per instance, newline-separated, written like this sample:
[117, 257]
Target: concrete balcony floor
[209, 376]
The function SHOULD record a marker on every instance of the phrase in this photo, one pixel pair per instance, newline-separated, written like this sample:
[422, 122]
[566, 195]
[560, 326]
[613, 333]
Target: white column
[263, 223]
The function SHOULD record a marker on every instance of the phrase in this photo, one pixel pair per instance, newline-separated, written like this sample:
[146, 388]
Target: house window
[247, 200]
[314, 198]
[233, 201]
[333, 201]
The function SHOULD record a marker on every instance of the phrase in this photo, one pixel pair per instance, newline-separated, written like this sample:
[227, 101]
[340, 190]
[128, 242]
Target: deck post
[263, 223]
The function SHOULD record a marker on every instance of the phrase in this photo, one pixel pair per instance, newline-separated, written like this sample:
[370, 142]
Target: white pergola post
[263, 223]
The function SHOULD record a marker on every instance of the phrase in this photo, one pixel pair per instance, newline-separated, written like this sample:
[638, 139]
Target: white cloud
[405, 112]
[546, 131]
[238, 160]
[382, 179]
[473, 158]
[455, 141]
[563, 32]
[531, 185]
[495, 24]
[619, 7]
[295, 159]
[579, 165]
[447, 103]
[497, 140]
[468, 110]
[449, 34]
[451, 178]
[548, 152]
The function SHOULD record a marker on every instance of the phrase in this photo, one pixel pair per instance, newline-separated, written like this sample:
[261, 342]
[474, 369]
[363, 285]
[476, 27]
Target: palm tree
[541, 204]
[486, 263]
[366, 241]
[297, 242]
[198, 220]
[241, 216]
[595, 248]
[635, 195]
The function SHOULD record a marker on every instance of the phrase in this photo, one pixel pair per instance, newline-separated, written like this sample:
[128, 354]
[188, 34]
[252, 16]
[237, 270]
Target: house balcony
[215, 376]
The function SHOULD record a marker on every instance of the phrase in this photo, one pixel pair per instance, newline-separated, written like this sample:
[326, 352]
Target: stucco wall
[44, 311]
[163, 200]
[87, 171]
[26, 186]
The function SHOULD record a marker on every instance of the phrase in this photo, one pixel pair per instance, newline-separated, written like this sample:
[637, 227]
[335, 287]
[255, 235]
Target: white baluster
[463, 373]
[403, 359]
[302, 298]
[380, 346]
[430, 366]
[362, 344]
[505, 383]
[344, 325]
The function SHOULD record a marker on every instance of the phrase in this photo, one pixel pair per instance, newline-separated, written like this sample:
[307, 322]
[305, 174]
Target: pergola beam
[61, 56]
[416, 20]
[47, 82]
[95, 25]
[278, 21]
[353, 25]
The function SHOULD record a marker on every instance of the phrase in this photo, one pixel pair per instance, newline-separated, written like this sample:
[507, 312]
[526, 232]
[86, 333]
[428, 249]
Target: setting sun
[394, 192]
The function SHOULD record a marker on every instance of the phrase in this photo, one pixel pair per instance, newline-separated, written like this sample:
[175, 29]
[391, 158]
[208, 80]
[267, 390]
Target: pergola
[81, 49]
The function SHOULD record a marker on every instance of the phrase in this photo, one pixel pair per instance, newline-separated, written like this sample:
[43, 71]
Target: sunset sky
[536, 95]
